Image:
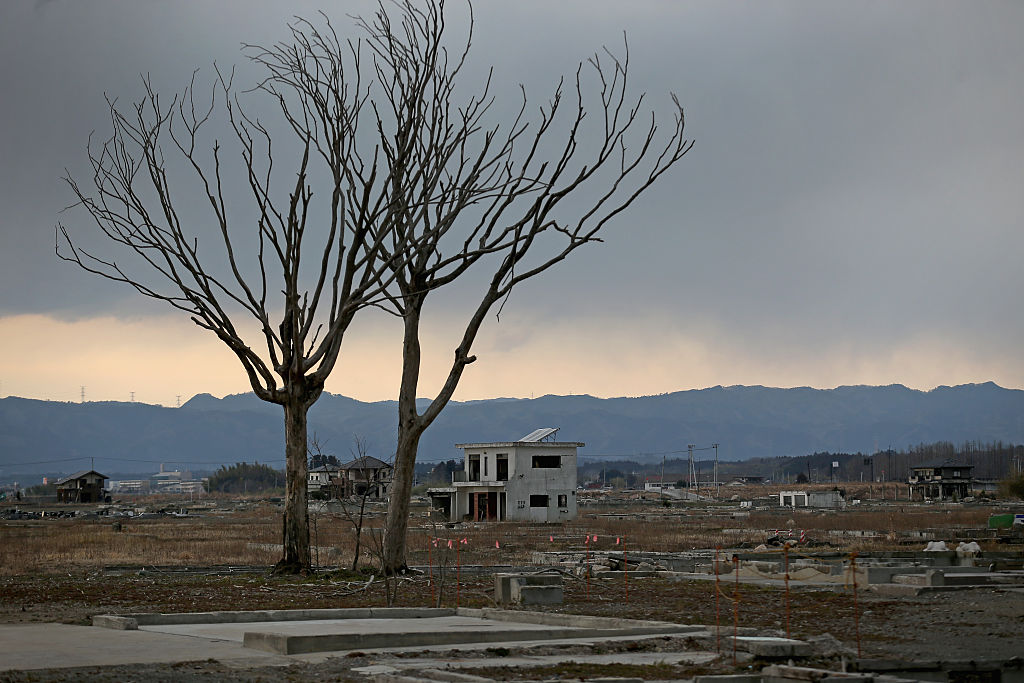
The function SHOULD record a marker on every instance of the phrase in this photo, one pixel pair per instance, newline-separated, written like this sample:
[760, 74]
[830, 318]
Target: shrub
[1012, 487]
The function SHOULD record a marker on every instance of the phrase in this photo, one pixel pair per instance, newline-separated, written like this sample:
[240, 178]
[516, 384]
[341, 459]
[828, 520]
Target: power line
[642, 455]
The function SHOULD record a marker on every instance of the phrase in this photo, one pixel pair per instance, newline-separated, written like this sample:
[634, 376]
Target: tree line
[990, 460]
[242, 478]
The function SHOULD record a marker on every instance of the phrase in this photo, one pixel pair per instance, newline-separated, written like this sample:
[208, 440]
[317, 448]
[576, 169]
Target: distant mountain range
[51, 437]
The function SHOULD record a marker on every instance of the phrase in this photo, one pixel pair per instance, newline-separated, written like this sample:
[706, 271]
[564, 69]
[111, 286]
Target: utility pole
[718, 484]
[661, 489]
[689, 448]
[83, 394]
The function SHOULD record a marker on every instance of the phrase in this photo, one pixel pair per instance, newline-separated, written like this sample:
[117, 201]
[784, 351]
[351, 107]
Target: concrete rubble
[896, 573]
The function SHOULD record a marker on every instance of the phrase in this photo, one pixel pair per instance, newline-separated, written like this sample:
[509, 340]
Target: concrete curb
[131, 622]
[580, 621]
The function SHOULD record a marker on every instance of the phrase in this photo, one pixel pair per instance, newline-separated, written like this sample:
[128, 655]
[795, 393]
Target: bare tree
[516, 197]
[275, 270]
[415, 187]
[353, 503]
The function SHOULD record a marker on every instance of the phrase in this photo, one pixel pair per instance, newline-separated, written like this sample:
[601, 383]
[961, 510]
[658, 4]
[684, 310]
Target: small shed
[82, 487]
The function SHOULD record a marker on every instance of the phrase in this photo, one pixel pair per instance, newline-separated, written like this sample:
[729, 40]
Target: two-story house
[941, 481]
[532, 479]
[319, 478]
[82, 487]
[364, 476]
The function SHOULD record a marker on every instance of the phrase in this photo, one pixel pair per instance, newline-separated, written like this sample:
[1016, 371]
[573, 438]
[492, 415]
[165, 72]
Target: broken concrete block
[536, 595]
[506, 586]
[773, 648]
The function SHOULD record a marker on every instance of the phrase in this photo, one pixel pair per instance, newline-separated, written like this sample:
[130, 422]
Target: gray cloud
[856, 176]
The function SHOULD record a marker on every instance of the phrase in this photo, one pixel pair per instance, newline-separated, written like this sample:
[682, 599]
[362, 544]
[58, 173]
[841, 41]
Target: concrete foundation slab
[359, 634]
[469, 626]
[289, 632]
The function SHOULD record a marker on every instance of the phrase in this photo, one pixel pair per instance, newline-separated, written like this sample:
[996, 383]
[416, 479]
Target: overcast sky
[850, 212]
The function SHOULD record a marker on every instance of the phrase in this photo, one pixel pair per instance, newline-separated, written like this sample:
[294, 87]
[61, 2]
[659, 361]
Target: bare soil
[955, 625]
[61, 571]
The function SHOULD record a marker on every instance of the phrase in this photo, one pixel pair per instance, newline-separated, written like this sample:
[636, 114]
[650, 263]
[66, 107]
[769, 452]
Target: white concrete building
[834, 498]
[532, 479]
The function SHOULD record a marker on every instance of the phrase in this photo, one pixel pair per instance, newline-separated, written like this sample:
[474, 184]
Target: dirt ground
[955, 625]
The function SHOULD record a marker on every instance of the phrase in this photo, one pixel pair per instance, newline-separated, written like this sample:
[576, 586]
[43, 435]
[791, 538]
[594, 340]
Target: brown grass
[249, 536]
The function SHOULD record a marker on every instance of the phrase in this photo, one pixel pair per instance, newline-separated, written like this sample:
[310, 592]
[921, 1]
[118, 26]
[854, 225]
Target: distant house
[746, 479]
[834, 498]
[532, 479]
[941, 481]
[319, 478]
[365, 476]
[82, 487]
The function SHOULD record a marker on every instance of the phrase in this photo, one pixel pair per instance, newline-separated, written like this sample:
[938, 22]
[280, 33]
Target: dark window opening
[538, 501]
[547, 462]
[563, 500]
[502, 467]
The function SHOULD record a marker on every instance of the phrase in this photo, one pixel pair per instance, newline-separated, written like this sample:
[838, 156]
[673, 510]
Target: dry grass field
[244, 533]
[66, 570]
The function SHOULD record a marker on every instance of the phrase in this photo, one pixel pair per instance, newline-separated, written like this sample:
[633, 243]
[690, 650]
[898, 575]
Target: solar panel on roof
[540, 434]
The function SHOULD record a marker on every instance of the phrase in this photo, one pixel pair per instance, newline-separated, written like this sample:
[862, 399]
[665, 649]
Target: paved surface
[44, 646]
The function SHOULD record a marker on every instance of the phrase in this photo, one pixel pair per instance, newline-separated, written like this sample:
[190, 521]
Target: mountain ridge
[747, 421]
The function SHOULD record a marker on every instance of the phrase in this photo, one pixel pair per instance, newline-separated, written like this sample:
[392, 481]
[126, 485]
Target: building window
[501, 466]
[538, 501]
[563, 500]
[547, 462]
[485, 465]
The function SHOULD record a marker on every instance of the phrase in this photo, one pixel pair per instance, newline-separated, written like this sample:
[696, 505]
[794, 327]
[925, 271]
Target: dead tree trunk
[410, 428]
[397, 521]
[296, 556]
